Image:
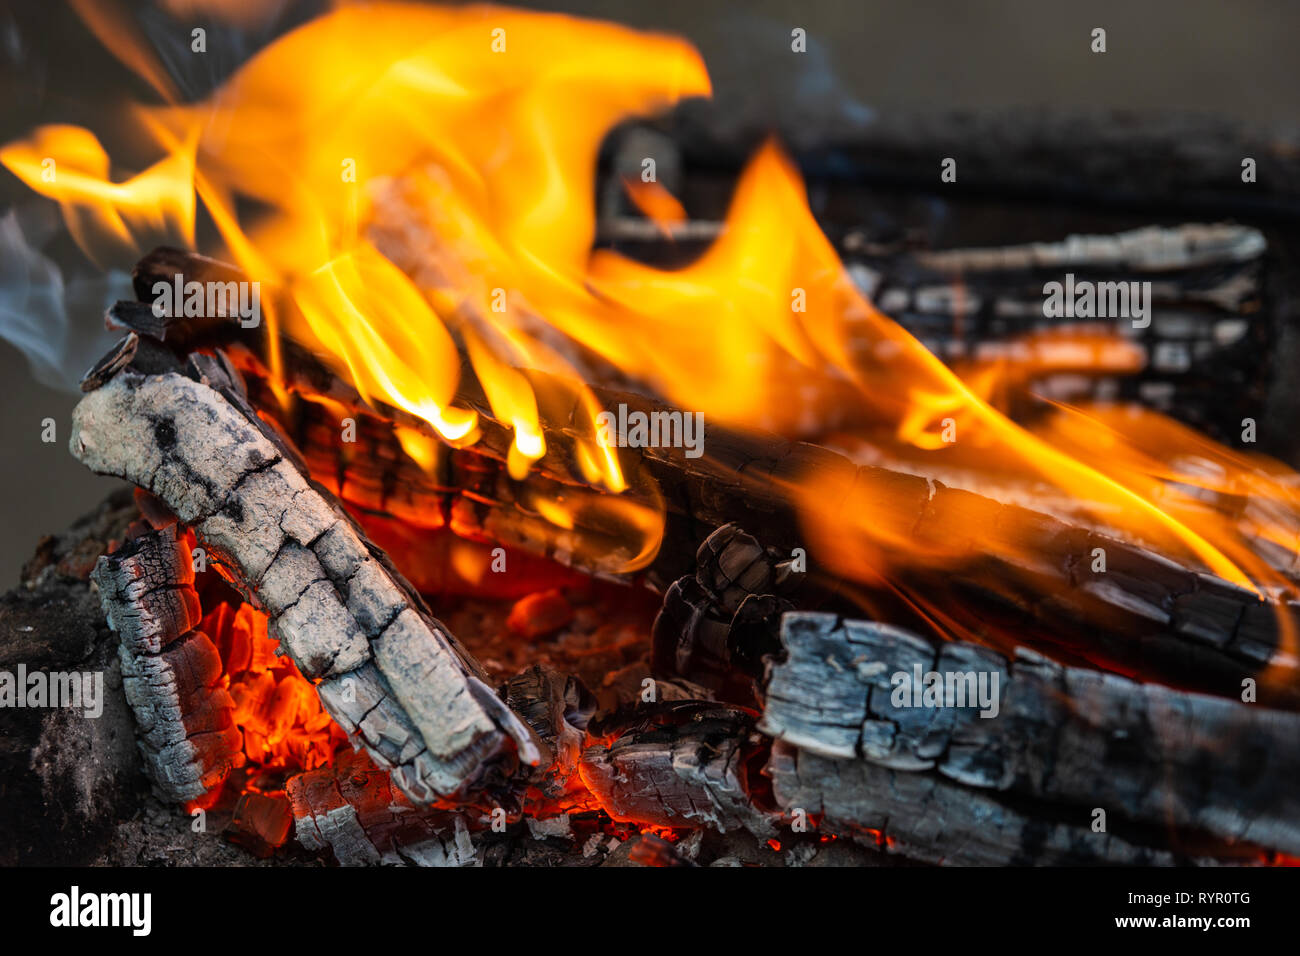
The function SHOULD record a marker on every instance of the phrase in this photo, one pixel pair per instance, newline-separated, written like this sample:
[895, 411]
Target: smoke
[762, 86]
[233, 31]
[36, 301]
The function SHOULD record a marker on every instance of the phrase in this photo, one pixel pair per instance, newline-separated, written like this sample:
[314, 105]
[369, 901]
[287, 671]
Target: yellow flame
[423, 180]
[68, 164]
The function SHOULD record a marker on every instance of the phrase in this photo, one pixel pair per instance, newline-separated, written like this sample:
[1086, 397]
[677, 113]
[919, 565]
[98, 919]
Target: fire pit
[487, 508]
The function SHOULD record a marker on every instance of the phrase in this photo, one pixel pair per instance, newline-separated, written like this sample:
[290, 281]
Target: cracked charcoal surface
[335, 607]
[171, 672]
[1061, 735]
[690, 773]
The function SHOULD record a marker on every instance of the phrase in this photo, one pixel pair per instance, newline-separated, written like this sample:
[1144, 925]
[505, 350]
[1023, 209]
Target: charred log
[352, 811]
[1059, 736]
[1202, 353]
[716, 627]
[1146, 611]
[686, 765]
[390, 674]
[171, 671]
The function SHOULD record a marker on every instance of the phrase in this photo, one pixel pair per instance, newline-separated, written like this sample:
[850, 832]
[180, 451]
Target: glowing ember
[276, 708]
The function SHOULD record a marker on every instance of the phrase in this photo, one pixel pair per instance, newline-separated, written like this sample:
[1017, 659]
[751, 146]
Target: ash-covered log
[171, 670]
[858, 690]
[351, 810]
[693, 765]
[686, 764]
[931, 819]
[389, 673]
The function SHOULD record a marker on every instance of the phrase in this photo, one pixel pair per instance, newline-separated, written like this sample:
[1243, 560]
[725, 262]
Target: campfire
[458, 527]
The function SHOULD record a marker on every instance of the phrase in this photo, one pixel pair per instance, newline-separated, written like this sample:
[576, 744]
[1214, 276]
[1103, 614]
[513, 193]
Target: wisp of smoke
[36, 301]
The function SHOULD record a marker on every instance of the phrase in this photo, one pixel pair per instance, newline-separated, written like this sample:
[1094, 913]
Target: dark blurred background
[867, 62]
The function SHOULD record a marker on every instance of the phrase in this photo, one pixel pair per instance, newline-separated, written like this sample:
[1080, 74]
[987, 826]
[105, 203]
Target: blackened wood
[116, 360]
[1204, 357]
[1027, 580]
[1183, 163]
[1059, 736]
[716, 626]
[171, 672]
[685, 765]
[352, 810]
[390, 673]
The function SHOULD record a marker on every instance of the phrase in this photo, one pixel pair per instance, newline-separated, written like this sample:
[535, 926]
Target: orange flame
[426, 180]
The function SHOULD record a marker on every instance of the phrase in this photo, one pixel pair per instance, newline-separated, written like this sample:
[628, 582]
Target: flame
[70, 165]
[422, 181]
[658, 204]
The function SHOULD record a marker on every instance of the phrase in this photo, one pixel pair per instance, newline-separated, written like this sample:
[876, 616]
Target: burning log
[716, 626]
[982, 305]
[557, 708]
[390, 674]
[1144, 612]
[351, 810]
[856, 690]
[1205, 310]
[931, 819]
[171, 671]
[688, 764]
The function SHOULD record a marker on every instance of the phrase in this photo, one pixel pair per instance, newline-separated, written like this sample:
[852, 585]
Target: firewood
[1061, 736]
[695, 765]
[971, 305]
[389, 672]
[351, 810]
[716, 626]
[171, 671]
[1027, 577]
[1208, 314]
[558, 708]
[685, 765]
[929, 818]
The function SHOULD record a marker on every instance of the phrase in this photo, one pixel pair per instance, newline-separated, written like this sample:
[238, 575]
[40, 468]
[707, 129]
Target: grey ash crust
[389, 673]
